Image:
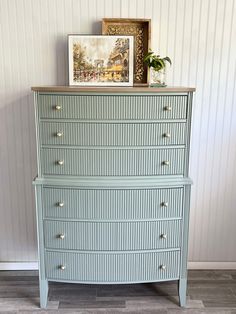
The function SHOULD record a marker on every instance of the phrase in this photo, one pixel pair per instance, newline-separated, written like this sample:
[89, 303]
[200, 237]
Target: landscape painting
[100, 60]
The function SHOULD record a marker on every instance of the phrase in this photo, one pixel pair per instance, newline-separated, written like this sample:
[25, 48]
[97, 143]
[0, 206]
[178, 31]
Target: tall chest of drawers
[112, 191]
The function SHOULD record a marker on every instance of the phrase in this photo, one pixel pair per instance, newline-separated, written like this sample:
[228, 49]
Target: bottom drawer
[112, 267]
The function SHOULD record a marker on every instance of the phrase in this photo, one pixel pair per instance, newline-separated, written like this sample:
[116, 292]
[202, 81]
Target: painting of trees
[78, 57]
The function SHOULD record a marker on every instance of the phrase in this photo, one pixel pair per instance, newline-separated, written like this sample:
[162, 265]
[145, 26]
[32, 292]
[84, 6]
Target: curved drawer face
[113, 107]
[112, 267]
[112, 236]
[112, 134]
[120, 204]
[112, 162]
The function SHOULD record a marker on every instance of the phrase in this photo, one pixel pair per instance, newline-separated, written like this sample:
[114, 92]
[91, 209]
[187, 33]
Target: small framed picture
[100, 60]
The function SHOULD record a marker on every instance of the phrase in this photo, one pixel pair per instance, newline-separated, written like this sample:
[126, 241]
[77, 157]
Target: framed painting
[100, 60]
[140, 29]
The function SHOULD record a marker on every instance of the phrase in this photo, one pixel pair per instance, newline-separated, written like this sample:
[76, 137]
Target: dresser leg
[182, 292]
[43, 284]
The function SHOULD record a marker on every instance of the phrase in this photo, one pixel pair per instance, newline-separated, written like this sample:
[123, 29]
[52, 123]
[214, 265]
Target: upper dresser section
[113, 132]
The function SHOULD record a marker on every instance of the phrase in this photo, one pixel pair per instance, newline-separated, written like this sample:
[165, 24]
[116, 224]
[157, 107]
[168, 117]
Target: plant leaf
[168, 60]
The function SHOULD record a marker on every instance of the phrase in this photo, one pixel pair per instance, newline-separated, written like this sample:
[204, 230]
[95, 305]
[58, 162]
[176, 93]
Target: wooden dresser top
[140, 89]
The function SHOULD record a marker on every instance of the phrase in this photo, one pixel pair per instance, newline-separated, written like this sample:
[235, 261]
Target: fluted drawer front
[112, 267]
[112, 162]
[112, 203]
[113, 107]
[112, 134]
[112, 236]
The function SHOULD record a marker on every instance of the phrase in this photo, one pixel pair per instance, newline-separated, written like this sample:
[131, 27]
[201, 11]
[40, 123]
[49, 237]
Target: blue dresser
[112, 191]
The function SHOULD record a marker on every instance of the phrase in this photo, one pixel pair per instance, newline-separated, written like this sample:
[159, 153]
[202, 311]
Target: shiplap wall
[198, 35]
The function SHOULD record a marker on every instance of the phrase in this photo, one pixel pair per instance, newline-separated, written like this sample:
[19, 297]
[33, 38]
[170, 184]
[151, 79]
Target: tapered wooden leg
[43, 285]
[182, 292]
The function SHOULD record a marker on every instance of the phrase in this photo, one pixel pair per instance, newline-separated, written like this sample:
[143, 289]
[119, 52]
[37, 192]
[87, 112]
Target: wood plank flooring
[209, 292]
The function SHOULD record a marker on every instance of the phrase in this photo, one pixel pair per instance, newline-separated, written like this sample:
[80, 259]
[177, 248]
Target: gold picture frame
[140, 29]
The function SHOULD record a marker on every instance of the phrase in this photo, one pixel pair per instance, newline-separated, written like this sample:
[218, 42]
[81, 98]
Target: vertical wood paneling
[199, 36]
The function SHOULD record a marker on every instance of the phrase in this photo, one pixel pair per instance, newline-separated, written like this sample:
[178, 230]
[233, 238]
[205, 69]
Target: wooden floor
[208, 292]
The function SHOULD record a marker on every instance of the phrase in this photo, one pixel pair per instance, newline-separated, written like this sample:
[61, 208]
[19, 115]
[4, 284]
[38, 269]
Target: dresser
[112, 191]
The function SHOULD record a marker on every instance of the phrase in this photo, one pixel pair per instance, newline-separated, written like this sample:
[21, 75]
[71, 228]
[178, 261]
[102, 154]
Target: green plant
[155, 61]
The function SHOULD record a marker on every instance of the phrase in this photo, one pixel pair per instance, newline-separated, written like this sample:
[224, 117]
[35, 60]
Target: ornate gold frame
[141, 30]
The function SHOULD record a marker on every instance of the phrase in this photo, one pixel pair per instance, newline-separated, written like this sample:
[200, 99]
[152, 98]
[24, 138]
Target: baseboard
[18, 266]
[191, 265]
[211, 265]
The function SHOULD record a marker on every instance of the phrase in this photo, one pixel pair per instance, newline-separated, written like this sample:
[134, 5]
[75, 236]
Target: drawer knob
[62, 267]
[167, 135]
[166, 163]
[163, 267]
[167, 108]
[163, 236]
[62, 236]
[59, 134]
[58, 107]
[164, 204]
[60, 162]
[60, 204]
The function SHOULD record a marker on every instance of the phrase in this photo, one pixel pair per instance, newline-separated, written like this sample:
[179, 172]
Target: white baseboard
[211, 265]
[19, 266]
[191, 265]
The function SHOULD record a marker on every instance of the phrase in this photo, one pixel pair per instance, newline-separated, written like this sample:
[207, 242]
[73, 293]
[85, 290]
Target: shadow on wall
[62, 64]
[18, 169]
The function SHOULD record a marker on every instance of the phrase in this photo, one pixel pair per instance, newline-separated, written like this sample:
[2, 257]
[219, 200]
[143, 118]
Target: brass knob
[163, 267]
[60, 162]
[62, 236]
[58, 107]
[164, 204]
[166, 163]
[167, 108]
[167, 135]
[62, 267]
[60, 204]
[163, 236]
[59, 134]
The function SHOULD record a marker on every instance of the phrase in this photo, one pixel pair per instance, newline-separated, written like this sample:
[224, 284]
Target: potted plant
[157, 67]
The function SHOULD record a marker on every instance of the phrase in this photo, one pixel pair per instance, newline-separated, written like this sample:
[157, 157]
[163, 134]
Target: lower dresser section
[116, 267]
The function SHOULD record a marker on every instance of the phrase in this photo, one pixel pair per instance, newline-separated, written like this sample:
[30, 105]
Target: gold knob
[62, 236]
[58, 107]
[166, 163]
[60, 204]
[166, 135]
[60, 162]
[59, 134]
[163, 267]
[167, 108]
[163, 236]
[62, 267]
[164, 204]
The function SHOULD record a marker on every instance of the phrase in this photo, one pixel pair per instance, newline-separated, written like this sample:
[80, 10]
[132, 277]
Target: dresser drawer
[112, 134]
[112, 267]
[120, 204]
[112, 236]
[113, 107]
[112, 162]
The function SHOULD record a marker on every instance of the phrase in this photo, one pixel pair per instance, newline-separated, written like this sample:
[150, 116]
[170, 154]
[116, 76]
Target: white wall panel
[198, 35]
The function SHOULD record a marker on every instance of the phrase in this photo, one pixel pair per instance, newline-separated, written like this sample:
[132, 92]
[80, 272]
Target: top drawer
[113, 107]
